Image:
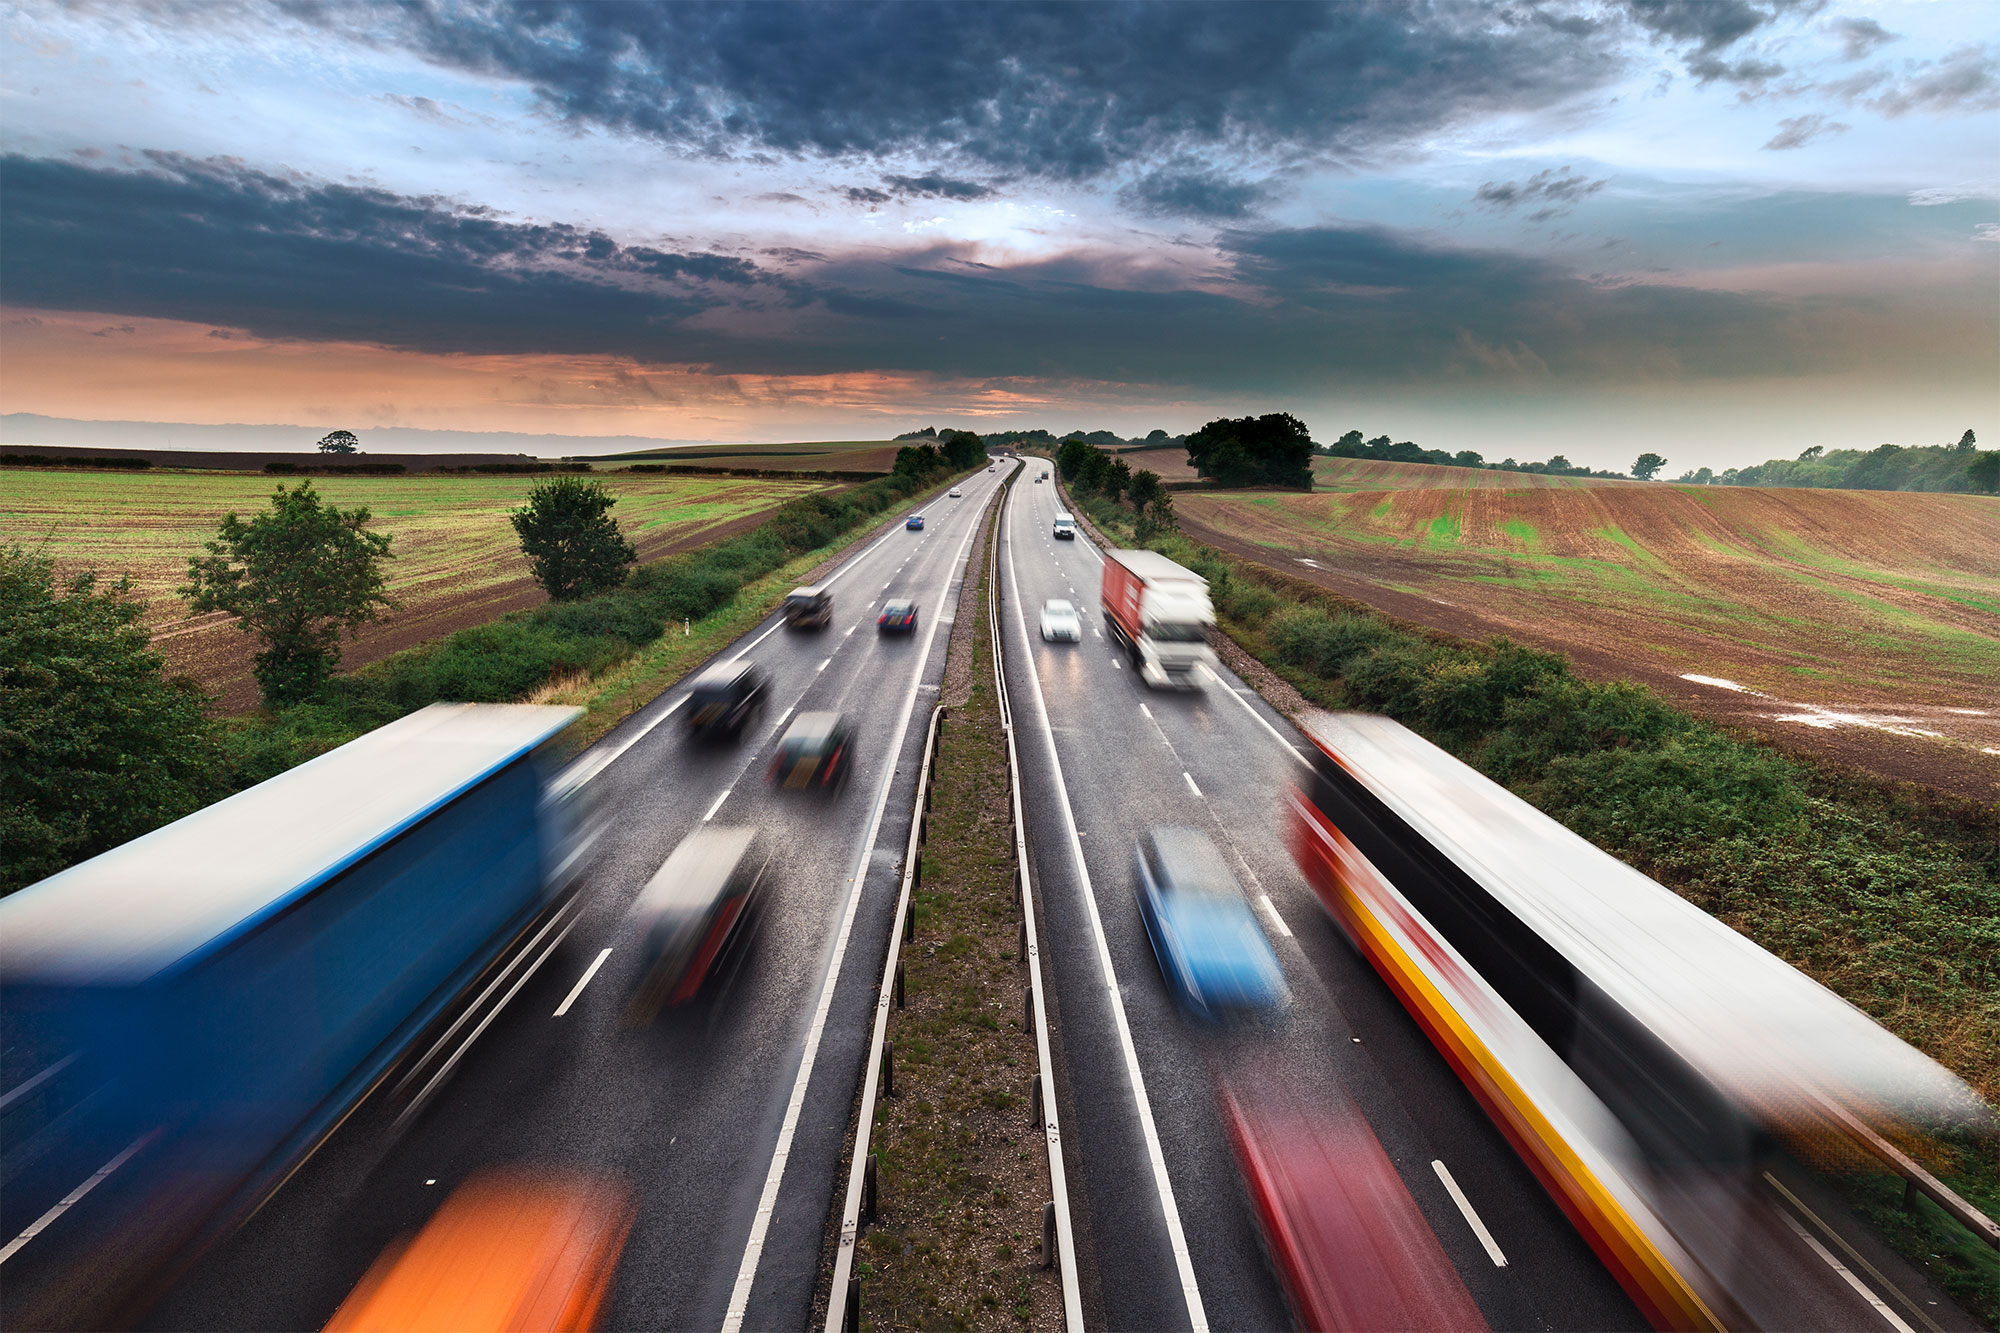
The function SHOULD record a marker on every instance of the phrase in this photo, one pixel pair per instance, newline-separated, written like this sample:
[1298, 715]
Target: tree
[962, 449]
[1647, 466]
[1984, 471]
[1271, 450]
[1145, 489]
[1157, 436]
[96, 747]
[918, 461]
[1072, 458]
[1158, 518]
[1468, 458]
[295, 575]
[1967, 442]
[339, 442]
[573, 545]
[1808, 455]
[1117, 479]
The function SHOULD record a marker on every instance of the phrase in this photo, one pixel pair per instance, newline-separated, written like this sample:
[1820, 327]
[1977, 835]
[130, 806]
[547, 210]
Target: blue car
[1211, 950]
[916, 523]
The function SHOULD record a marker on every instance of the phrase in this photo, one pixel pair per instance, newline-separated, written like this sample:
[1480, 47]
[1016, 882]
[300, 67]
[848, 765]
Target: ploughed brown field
[457, 559]
[1861, 625]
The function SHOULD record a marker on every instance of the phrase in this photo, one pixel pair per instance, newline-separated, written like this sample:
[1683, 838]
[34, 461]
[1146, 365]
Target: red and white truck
[1160, 614]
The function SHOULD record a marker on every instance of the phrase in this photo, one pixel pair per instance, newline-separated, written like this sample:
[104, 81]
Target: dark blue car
[916, 523]
[1211, 950]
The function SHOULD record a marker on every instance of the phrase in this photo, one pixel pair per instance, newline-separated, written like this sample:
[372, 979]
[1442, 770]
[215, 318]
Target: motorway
[1105, 758]
[727, 1119]
[728, 1139]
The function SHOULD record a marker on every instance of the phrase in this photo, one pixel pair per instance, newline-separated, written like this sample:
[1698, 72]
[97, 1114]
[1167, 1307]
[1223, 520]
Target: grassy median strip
[963, 1171]
[1888, 897]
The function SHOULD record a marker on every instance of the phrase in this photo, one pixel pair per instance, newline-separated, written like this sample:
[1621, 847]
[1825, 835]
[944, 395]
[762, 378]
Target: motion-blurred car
[898, 617]
[1061, 622]
[509, 1250]
[1210, 948]
[1349, 1243]
[695, 911]
[725, 699]
[813, 754]
[915, 523]
[810, 607]
[955, 493]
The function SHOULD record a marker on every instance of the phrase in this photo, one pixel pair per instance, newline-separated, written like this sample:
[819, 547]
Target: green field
[457, 559]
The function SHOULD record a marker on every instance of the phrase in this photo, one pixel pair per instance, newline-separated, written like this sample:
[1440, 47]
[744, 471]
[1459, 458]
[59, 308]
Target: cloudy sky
[1722, 229]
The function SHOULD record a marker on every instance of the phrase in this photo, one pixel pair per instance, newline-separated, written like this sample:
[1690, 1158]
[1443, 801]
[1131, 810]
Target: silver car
[1060, 621]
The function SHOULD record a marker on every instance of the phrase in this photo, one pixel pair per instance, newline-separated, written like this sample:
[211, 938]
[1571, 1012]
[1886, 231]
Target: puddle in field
[1829, 719]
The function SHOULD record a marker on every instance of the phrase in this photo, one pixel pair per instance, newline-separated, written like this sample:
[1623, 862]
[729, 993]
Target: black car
[814, 755]
[808, 608]
[725, 699]
[898, 617]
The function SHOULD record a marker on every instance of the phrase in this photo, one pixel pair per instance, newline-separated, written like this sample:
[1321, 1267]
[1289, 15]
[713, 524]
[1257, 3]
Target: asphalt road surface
[1176, 1243]
[730, 1153]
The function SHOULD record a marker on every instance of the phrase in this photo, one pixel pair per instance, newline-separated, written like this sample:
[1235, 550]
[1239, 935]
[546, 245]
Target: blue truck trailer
[183, 1018]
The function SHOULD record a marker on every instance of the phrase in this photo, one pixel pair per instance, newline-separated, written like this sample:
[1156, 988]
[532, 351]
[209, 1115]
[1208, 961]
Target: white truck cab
[1065, 526]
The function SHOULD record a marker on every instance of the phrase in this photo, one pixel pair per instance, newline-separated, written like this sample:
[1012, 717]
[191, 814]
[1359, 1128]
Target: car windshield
[1187, 863]
[1057, 609]
[898, 608]
[1170, 631]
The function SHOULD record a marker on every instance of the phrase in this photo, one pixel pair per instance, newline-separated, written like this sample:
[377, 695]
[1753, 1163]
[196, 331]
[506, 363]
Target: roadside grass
[1888, 896]
[963, 1174]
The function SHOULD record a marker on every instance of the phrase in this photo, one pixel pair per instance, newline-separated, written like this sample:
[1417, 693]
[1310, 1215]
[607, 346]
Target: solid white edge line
[753, 1251]
[581, 982]
[1271, 911]
[1276, 735]
[74, 1197]
[1860, 1262]
[1176, 1237]
[1191, 787]
[1472, 1218]
[1881, 1306]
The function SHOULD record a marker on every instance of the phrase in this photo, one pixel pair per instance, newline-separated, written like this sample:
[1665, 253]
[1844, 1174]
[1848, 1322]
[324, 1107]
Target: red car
[1348, 1241]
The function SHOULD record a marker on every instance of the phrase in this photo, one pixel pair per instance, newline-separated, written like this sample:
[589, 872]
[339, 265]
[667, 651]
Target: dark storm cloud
[1195, 193]
[289, 259]
[935, 186]
[1860, 37]
[216, 241]
[1707, 25]
[1552, 193]
[1798, 131]
[1049, 90]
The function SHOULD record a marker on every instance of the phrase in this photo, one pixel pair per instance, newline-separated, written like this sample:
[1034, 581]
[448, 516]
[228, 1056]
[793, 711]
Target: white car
[955, 492]
[1060, 621]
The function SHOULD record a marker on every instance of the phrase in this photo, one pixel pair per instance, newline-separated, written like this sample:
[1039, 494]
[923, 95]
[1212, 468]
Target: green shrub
[1250, 602]
[1389, 678]
[1308, 638]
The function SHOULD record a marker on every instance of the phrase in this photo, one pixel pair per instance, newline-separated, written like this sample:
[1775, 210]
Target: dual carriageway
[728, 1121]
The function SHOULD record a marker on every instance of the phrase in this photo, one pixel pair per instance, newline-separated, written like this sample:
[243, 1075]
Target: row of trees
[1092, 472]
[1381, 449]
[1963, 466]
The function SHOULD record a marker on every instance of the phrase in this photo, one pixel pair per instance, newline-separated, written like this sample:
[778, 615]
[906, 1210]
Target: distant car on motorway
[955, 493]
[898, 617]
[1210, 948]
[725, 699]
[1060, 622]
[989, 467]
[810, 607]
[915, 523]
[696, 911]
[814, 754]
[509, 1249]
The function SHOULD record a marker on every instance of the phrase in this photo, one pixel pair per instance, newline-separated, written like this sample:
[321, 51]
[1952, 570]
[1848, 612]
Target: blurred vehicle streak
[1650, 1064]
[725, 699]
[1210, 948]
[813, 754]
[511, 1251]
[1349, 1243]
[697, 908]
[186, 1016]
